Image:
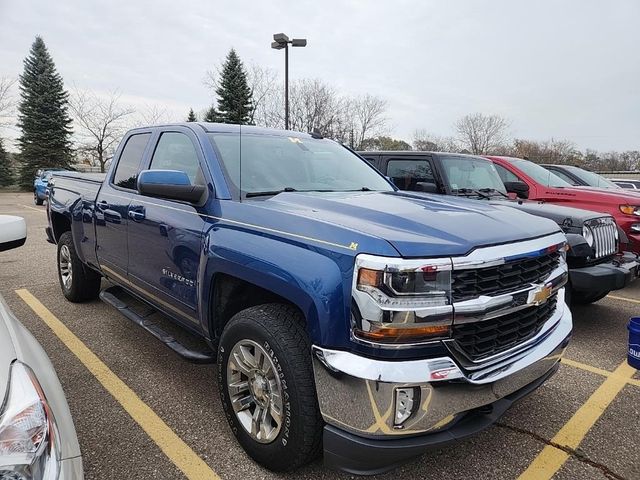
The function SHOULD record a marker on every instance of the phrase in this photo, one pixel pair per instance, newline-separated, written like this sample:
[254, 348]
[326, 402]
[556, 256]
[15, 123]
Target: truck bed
[85, 185]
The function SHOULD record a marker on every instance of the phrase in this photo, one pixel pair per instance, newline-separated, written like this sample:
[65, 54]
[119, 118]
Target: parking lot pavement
[580, 405]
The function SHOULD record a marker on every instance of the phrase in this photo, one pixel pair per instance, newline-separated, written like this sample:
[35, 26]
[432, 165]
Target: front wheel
[267, 388]
[78, 282]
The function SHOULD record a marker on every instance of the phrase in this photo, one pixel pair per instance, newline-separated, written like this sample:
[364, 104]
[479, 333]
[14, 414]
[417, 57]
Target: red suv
[518, 174]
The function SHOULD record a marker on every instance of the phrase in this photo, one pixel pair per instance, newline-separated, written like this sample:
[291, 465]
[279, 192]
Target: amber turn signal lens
[628, 209]
[372, 278]
[396, 335]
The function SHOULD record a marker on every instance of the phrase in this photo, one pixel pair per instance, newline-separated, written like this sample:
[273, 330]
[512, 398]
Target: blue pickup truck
[345, 316]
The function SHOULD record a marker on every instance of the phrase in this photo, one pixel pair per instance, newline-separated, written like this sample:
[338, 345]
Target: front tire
[78, 282]
[267, 388]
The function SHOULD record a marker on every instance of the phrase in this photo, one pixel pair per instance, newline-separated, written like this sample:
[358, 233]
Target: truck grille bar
[604, 234]
[501, 279]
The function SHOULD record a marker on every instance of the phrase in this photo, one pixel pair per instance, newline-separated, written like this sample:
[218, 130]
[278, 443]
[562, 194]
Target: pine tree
[192, 116]
[234, 94]
[43, 117]
[213, 116]
[6, 175]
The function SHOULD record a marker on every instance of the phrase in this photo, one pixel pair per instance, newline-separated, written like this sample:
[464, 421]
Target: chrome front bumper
[356, 394]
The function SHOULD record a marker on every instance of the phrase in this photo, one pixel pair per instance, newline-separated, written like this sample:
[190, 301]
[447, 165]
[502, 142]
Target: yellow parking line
[171, 444]
[549, 461]
[599, 371]
[33, 208]
[615, 297]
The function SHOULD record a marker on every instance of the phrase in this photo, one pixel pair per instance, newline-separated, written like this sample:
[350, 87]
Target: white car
[629, 183]
[37, 437]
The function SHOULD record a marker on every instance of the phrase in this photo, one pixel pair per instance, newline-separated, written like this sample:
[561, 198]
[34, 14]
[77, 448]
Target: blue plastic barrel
[634, 342]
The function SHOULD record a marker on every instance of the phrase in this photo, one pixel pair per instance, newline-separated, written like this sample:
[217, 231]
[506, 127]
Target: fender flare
[312, 280]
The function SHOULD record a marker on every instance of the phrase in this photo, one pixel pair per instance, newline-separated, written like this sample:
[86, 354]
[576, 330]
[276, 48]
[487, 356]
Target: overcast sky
[562, 69]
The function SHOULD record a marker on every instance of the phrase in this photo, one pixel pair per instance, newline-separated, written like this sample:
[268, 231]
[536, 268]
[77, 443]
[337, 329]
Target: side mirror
[13, 232]
[169, 184]
[521, 189]
[427, 187]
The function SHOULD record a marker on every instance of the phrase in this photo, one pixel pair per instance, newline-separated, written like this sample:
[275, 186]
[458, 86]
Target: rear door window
[126, 174]
[406, 174]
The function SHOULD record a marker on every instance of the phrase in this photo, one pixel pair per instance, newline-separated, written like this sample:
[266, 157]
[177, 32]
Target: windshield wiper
[493, 190]
[470, 191]
[269, 192]
[288, 189]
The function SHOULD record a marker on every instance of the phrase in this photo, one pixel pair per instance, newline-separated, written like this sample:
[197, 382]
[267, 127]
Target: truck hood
[563, 216]
[600, 195]
[416, 225]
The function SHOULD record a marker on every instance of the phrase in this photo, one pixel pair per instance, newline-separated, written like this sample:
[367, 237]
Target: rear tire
[584, 298]
[264, 365]
[37, 200]
[78, 282]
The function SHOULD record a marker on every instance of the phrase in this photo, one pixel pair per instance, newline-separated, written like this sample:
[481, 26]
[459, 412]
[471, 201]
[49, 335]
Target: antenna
[240, 150]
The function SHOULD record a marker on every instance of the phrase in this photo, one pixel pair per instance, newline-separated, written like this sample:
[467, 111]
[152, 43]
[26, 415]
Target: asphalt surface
[185, 395]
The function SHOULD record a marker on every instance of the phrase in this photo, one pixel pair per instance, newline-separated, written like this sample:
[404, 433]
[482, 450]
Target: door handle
[102, 204]
[136, 215]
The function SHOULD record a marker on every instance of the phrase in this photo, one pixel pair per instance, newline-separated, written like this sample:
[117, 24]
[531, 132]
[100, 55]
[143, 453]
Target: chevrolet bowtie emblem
[541, 295]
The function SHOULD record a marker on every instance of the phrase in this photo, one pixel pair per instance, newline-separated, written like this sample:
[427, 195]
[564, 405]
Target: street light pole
[286, 86]
[282, 41]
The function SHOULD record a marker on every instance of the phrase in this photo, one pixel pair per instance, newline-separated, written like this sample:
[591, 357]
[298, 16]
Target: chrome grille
[604, 235]
[489, 337]
[505, 278]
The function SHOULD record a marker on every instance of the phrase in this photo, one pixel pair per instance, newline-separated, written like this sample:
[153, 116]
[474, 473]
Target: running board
[110, 296]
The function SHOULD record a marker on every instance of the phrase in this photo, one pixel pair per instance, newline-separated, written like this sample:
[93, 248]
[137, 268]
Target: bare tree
[153, 115]
[263, 83]
[549, 151]
[480, 134]
[424, 141]
[368, 116]
[6, 100]
[100, 121]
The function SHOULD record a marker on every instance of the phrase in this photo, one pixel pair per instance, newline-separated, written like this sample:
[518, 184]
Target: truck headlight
[28, 436]
[587, 233]
[630, 209]
[401, 301]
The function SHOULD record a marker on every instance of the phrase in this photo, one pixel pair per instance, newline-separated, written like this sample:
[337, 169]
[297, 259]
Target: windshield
[471, 173]
[274, 163]
[591, 179]
[539, 174]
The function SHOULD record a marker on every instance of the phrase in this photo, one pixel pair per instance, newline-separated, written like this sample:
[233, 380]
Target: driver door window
[564, 176]
[406, 174]
[506, 175]
[175, 151]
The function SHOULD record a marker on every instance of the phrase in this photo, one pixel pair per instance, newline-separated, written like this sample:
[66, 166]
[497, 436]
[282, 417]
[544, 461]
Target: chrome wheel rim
[66, 270]
[255, 390]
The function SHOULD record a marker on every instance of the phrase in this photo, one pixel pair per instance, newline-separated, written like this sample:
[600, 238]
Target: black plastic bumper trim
[603, 277]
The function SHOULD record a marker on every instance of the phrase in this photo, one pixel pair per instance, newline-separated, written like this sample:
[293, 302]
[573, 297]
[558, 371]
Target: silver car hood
[16, 342]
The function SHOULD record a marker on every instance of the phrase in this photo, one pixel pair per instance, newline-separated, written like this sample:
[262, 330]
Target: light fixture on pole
[282, 41]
